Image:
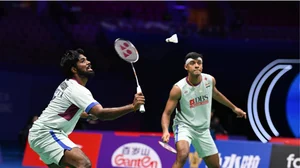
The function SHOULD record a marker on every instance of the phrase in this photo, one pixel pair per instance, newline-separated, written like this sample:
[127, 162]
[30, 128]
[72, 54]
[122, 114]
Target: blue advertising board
[236, 154]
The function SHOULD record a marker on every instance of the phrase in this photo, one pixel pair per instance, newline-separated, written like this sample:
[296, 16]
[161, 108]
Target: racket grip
[142, 107]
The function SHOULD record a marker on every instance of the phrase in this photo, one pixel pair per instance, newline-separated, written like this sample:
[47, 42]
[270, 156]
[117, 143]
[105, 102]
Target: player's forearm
[223, 100]
[114, 113]
[165, 122]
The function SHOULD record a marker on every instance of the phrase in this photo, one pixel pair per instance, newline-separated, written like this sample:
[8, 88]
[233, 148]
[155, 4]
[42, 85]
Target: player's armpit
[84, 115]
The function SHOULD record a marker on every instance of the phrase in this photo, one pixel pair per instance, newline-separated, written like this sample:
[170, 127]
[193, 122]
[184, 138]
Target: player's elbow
[166, 113]
[216, 95]
[100, 113]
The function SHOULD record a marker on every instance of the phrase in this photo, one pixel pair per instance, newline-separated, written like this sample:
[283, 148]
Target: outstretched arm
[116, 112]
[218, 96]
[174, 97]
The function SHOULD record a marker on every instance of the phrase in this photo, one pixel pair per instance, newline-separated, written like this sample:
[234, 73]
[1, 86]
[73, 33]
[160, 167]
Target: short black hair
[193, 55]
[70, 60]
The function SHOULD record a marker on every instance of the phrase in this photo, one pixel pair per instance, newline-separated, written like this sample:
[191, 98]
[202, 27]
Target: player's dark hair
[193, 55]
[69, 60]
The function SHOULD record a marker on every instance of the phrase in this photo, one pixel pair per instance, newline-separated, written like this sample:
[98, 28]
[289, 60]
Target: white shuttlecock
[172, 39]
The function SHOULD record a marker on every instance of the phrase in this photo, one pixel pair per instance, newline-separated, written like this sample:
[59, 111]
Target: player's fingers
[168, 137]
[140, 98]
[139, 94]
[141, 102]
[164, 139]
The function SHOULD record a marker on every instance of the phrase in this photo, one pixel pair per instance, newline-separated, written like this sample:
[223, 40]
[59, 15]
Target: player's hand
[165, 137]
[240, 113]
[138, 100]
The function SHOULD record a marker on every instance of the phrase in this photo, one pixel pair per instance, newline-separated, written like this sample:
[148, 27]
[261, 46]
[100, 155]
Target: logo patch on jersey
[207, 85]
[63, 85]
[198, 101]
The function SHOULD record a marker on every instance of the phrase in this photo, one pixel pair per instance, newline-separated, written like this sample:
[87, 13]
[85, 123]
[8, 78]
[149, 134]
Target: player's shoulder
[181, 82]
[74, 86]
[206, 75]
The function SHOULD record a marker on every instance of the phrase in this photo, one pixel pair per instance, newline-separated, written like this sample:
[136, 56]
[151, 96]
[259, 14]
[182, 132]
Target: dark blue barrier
[0, 155]
[15, 92]
[234, 154]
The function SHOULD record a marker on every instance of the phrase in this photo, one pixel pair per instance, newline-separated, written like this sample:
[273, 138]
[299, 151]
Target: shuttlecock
[172, 39]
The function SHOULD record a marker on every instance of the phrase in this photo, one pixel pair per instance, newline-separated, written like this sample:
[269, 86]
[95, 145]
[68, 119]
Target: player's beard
[86, 74]
[196, 74]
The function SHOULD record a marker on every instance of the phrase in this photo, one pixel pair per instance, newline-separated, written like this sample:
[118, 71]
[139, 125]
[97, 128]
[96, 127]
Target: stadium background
[237, 39]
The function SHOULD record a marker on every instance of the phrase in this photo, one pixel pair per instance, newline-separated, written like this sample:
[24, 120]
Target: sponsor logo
[201, 100]
[207, 85]
[232, 161]
[237, 161]
[292, 161]
[135, 155]
[284, 156]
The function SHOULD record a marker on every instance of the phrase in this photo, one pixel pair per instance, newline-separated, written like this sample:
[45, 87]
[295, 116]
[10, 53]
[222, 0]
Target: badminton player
[48, 136]
[192, 98]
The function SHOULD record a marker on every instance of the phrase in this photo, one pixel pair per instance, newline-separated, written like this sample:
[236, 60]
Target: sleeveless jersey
[194, 106]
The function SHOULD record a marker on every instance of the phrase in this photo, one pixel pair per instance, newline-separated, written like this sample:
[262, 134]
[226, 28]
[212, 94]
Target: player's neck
[81, 81]
[194, 80]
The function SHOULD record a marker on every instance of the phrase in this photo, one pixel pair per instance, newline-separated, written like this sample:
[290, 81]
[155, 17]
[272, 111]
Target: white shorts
[50, 145]
[201, 140]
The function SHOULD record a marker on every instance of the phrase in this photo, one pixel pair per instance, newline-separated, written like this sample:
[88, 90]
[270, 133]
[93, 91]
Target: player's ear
[74, 70]
[185, 67]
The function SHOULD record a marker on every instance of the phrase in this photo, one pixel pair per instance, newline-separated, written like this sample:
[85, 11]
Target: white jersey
[194, 106]
[63, 112]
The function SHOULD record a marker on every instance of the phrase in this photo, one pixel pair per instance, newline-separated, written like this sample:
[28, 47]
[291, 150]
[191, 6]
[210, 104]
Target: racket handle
[142, 107]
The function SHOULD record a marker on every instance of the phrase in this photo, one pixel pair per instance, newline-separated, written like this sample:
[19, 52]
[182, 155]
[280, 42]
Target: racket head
[126, 50]
[167, 146]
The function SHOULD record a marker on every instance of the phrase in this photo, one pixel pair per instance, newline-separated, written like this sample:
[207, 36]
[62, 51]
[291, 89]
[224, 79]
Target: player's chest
[204, 88]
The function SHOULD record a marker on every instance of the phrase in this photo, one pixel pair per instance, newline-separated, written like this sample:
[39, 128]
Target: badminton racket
[127, 51]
